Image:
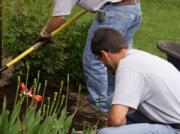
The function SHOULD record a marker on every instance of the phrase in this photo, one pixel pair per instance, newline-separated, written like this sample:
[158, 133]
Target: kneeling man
[147, 88]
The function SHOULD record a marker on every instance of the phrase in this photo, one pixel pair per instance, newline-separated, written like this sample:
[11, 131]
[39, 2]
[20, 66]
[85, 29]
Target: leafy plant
[32, 117]
[75, 41]
[33, 113]
[23, 21]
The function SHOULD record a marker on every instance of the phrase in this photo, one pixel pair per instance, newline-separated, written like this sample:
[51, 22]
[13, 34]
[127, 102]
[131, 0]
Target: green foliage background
[160, 22]
[23, 21]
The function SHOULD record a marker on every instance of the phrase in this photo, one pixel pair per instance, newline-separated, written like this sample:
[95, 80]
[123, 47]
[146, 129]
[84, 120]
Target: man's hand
[54, 23]
[44, 37]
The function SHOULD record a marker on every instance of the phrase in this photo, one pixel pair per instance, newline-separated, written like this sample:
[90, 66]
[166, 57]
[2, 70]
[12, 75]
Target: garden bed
[80, 120]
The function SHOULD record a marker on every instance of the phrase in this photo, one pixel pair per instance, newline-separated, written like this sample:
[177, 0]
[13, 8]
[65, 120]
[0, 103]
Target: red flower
[30, 90]
[23, 87]
[37, 97]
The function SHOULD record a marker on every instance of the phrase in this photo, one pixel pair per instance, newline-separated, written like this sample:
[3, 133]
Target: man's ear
[104, 54]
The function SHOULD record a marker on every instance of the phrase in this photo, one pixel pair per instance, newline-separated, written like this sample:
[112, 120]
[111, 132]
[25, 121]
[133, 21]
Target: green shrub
[75, 42]
[23, 21]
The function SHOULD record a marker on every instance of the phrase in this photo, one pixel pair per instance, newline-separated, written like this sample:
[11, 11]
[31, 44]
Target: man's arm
[54, 23]
[117, 115]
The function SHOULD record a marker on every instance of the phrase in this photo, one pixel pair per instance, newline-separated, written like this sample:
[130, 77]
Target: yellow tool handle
[22, 55]
[37, 45]
[69, 22]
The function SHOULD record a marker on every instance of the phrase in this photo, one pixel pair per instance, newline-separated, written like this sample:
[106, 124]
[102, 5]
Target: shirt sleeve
[63, 7]
[129, 88]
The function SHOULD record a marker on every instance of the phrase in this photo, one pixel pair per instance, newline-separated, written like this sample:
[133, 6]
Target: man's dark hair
[107, 39]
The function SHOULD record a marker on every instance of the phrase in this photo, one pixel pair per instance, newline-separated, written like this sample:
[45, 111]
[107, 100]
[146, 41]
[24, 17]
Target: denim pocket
[119, 17]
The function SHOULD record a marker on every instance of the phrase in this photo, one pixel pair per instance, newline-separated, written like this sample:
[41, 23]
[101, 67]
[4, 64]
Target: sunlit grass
[161, 20]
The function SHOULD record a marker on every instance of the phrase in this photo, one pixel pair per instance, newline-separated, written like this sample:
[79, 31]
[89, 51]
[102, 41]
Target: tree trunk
[1, 33]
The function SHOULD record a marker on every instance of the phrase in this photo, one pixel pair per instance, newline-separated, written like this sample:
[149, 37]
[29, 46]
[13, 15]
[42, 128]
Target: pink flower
[37, 97]
[30, 90]
[23, 87]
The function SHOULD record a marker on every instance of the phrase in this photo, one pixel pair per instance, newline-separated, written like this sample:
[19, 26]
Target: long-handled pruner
[37, 45]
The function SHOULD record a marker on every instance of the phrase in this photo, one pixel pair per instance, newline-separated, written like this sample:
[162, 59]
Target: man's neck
[121, 55]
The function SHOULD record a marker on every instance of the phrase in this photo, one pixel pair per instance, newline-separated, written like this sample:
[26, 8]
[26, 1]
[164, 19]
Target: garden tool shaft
[37, 45]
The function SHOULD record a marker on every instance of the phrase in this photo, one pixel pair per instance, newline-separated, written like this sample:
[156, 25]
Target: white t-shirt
[150, 84]
[64, 7]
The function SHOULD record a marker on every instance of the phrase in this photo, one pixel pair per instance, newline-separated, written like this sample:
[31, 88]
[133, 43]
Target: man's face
[107, 62]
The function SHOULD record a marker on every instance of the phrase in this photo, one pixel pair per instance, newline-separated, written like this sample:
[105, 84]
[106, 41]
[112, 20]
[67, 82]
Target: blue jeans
[139, 124]
[100, 84]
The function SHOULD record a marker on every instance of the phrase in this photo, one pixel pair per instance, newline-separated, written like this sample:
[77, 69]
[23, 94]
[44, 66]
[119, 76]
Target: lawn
[160, 21]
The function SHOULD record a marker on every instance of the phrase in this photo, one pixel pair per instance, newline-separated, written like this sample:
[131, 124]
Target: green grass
[160, 21]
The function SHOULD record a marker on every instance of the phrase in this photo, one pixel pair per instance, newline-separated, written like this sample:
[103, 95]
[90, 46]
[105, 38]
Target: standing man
[122, 15]
[144, 83]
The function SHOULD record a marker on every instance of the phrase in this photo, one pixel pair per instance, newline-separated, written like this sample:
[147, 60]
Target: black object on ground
[172, 50]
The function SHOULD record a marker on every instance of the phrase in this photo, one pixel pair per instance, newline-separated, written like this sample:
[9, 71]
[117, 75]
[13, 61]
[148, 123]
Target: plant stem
[44, 90]
[38, 75]
[44, 109]
[39, 87]
[59, 96]
[62, 101]
[17, 90]
[27, 77]
[53, 103]
[79, 90]
[34, 90]
[67, 91]
[48, 106]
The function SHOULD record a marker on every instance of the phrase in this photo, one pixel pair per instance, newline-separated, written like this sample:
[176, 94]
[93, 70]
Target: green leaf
[68, 123]
[15, 112]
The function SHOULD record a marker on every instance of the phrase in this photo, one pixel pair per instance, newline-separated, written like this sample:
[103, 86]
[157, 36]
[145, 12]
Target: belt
[176, 126]
[127, 2]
